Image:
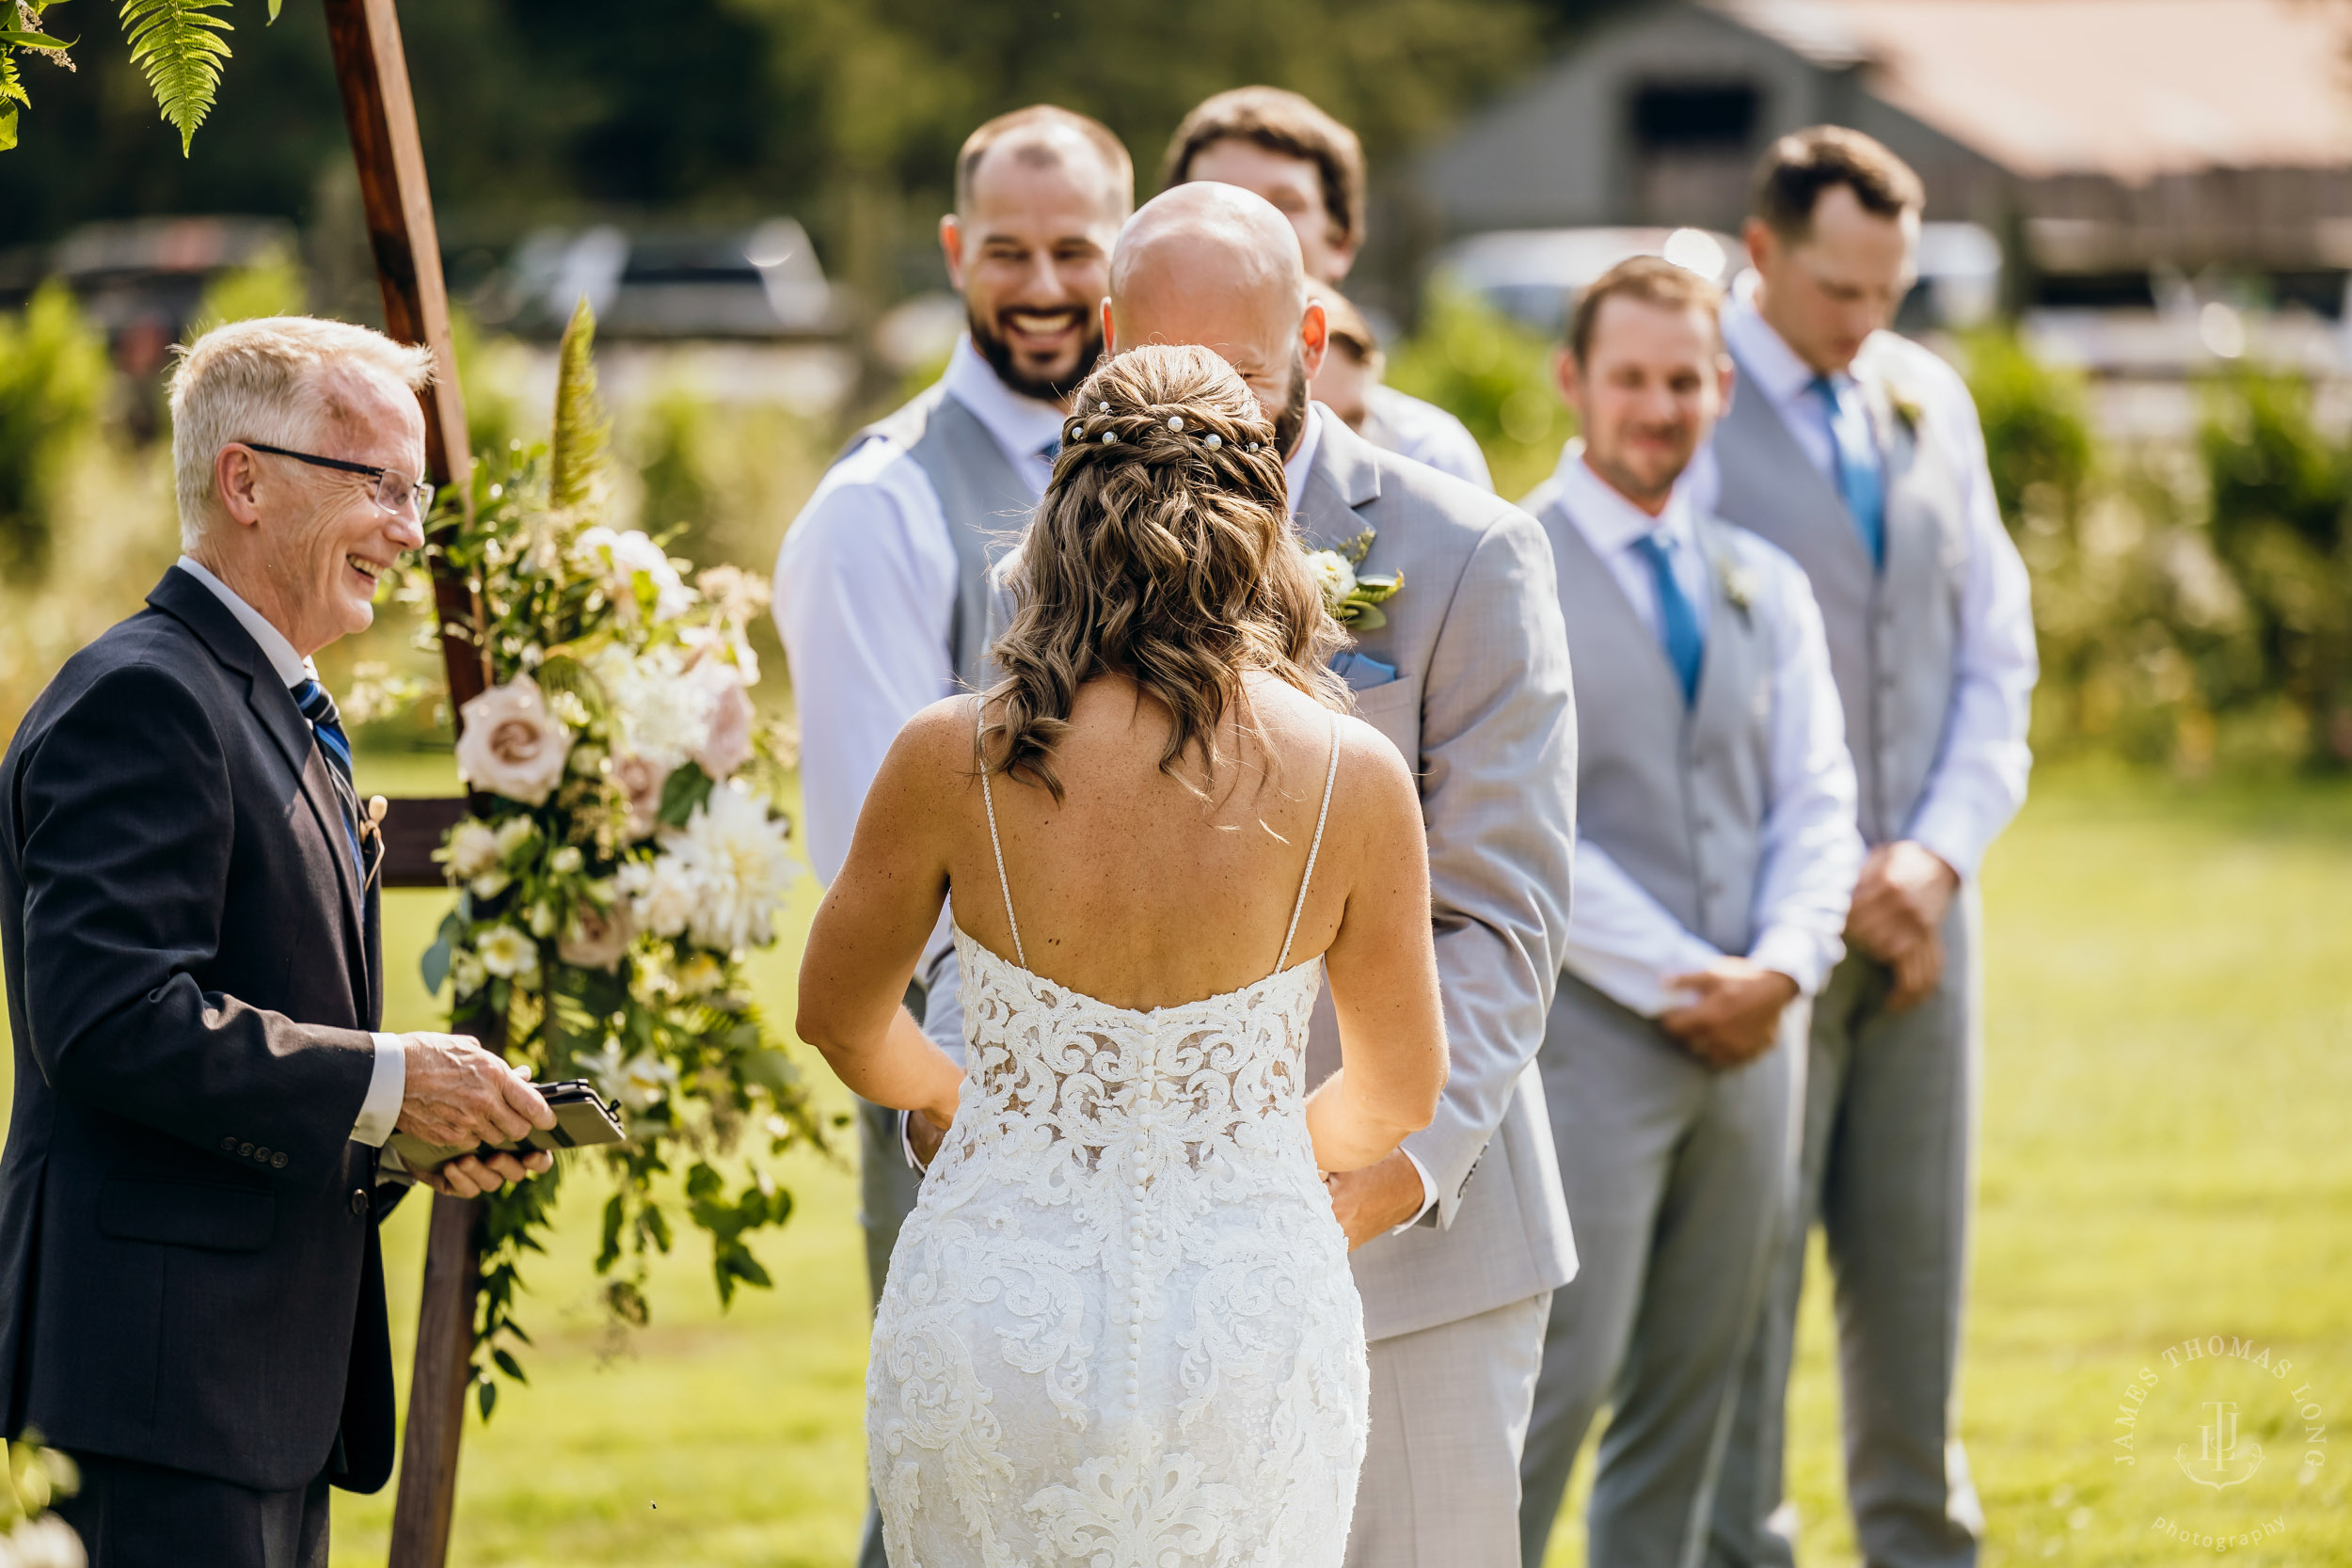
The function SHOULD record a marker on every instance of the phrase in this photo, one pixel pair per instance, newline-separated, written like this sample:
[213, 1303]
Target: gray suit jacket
[1483, 709]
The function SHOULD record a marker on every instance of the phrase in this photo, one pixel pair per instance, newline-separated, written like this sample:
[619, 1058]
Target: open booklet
[582, 1117]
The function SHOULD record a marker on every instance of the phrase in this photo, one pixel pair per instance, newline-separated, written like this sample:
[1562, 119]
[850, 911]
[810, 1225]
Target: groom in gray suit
[1462, 1235]
[1717, 854]
[1859, 453]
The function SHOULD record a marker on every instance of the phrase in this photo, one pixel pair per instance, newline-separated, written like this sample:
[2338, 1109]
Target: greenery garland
[623, 854]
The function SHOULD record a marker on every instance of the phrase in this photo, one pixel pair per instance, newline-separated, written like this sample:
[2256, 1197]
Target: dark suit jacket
[189, 1272]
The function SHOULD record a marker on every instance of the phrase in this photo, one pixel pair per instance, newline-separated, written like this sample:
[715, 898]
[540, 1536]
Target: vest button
[359, 1201]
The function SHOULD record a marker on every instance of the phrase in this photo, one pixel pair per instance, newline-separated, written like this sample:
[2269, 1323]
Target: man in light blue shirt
[1716, 853]
[1859, 453]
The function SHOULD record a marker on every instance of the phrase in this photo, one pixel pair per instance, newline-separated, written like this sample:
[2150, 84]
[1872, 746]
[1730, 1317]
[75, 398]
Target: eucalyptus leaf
[1367, 618]
[435, 965]
[33, 41]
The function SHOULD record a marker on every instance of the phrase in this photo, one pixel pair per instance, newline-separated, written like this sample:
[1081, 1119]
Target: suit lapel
[193, 605]
[1344, 479]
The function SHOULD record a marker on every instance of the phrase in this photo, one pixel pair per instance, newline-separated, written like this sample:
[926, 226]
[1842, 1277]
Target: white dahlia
[735, 855]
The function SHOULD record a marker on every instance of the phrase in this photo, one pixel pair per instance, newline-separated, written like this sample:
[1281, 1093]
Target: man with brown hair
[882, 584]
[1859, 453]
[1715, 855]
[1311, 167]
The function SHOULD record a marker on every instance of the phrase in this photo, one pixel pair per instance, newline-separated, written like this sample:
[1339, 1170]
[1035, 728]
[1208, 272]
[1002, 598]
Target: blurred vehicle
[1535, 274]
[762, 282]
[142, 281]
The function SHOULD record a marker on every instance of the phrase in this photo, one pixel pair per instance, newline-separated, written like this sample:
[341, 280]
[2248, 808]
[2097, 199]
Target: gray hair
[268, 380]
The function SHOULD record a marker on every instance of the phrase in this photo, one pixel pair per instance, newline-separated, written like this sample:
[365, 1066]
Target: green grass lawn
[2167, 1081]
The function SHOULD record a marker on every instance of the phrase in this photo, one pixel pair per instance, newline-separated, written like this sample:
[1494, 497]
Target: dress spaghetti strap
[1329, 774]
[988, 795]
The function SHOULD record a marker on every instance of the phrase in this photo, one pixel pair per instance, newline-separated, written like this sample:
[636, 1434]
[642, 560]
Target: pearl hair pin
[1211, 441]
[1110, 437]
[1175, 422]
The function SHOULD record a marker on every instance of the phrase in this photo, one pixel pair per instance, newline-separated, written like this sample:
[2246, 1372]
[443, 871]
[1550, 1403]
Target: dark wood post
[373, 73]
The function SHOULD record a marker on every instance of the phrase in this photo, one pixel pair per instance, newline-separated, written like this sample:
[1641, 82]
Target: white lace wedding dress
[1120, 1330]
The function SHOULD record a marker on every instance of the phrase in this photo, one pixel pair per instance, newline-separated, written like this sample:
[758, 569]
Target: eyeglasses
[394, 490]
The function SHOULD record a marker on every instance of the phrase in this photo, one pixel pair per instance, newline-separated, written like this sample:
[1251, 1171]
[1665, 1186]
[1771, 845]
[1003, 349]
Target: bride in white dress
[1119, 1329]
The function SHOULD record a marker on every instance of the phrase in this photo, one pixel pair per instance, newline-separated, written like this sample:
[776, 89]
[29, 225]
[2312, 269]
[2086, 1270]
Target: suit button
[244, 1151]
[278, 1161]
[260, 1153]
[358, 1201]
[229, 1146]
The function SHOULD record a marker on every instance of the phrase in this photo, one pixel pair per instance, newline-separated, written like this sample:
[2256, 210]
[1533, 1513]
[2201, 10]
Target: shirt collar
[1764, 358]
[1607, 521]
[1023, 426]
[291, 667]
[1299, 464]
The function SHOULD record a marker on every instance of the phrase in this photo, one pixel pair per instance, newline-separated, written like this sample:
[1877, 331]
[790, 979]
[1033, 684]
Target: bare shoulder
[933, 755]
[1374, 775]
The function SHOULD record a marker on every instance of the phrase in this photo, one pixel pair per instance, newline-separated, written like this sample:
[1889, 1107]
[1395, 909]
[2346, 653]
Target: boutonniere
[1907, 411]
[1353, 600]
[1740, 584]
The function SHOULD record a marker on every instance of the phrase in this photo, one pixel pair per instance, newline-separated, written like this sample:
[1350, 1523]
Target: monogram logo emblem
[2221, 1460]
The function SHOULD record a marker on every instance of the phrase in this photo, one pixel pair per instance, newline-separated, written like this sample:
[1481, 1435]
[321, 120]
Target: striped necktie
[1678, 621]
[1858, 477]
[327, 725]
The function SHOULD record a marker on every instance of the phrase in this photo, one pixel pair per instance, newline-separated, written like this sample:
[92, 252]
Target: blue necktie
[1858, 477]
[1678, 622]
[327, 725]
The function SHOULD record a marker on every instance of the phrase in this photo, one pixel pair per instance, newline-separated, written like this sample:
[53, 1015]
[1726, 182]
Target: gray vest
[1893, 633]
[983, 496]
[1675, 793]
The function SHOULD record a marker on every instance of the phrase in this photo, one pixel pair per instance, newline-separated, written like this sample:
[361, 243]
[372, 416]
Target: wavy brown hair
[1162, 553]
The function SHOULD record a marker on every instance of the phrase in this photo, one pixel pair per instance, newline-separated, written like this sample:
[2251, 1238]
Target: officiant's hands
[1376, 1199]
[1897, 916]
[1734, 1014]
[458, 1094]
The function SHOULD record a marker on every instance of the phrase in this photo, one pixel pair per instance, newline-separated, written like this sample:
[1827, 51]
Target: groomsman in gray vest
[1278, 145]
[880, 589]
[1859, 453]
[1716, 854]
[1460, 1237]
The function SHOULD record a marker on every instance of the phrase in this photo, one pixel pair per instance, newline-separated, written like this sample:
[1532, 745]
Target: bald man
[1461, 1236]
[881, 584]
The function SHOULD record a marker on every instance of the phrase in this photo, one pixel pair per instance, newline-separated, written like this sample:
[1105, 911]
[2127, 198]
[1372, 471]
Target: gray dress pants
[1681, 1178]
[1887, 1169]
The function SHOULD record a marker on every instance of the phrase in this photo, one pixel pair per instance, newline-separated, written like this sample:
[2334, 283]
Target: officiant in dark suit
[191, 1289]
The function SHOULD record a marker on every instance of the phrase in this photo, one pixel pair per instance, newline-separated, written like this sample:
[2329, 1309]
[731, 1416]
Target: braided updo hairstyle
[1163, 553]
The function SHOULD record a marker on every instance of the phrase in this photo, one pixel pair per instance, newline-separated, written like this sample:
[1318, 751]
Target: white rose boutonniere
[1353, 600]
[1740, 585]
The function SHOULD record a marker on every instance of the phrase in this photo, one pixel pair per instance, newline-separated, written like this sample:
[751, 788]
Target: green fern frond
[11, 94]
[577, 447]
[178, 44]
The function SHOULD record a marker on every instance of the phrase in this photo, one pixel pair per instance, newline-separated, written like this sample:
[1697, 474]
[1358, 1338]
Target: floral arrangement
[623, 854]
[30, 1535]
[1353, 600]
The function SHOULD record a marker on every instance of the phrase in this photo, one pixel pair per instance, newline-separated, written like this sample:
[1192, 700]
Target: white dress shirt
[1980, 779]
[1622, 941]
[1426, 434]
[866, 600]
[388, 1080]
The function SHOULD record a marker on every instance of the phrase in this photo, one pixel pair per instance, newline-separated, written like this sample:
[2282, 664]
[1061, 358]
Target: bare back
[1136, 891]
